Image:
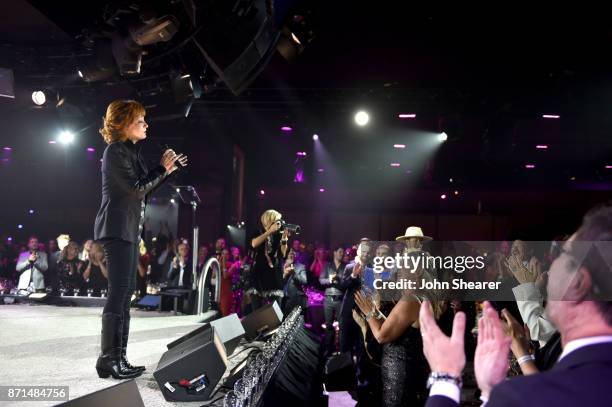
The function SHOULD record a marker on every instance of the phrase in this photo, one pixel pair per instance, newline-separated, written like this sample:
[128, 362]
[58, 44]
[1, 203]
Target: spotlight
[178, 190]
[80, 73]
[542, 147]
[7, 148]
[66, 137]
[450, 180]
[456, 193]
[301, 153]
[530, 166]
[442, 137]
[315, 137]
[20, 226]
[362, 118]
[321, 170]
[172, 200]
[406, 115]
[90, 149]
[399, 145]
[31, 211]
[394, 164]
[39, 97]
[52, 142]
[321, 189]
[551, 116]
[443, 196]
[262, 192]
[286, 129]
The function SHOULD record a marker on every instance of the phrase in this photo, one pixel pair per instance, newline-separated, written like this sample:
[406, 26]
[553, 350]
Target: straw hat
[414, 231]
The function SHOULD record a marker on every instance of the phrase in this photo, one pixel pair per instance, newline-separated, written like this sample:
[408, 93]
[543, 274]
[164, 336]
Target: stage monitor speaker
[237, 39]
[200, 359]
[124, 394]
[230, 331]
[263, 319]
[228, 328]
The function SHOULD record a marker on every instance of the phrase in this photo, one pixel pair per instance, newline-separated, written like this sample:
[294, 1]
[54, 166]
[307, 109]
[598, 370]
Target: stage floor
[50, 345]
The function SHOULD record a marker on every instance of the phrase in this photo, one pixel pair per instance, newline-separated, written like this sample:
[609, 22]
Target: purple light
[609, 167]
[286, 129]
[299, 176]
[542, 147]
[301, 153]
[551, 116]
[20, 226]
[315, 137]
[530, 166]
[321, 170]
[321, 189]
[91, 149]
[443, 196]
[262, 192]
[394, 164]
[399, 145]
[10, 239]
[407, 116]
[7, 149]
[52, 141]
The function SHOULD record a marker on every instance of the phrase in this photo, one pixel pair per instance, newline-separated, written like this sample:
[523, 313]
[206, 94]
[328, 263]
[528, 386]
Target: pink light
[529, 166]
[301, 153]
[321, 189]
[286, 129]
[406, 115]
[443, 196]
[91, 149]
[609, 167]
[321, 170]
[262, 192]
[542, 146]
[394, 164]
[551, 116]
[51, 141]
[399, 145]
[7, 149]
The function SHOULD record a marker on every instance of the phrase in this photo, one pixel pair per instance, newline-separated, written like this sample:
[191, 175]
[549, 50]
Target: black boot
[126, 334]
[109, 362]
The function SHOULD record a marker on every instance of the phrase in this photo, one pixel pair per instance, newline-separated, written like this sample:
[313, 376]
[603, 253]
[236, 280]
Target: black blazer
[582, 378]
[125, 185]
[350, 286]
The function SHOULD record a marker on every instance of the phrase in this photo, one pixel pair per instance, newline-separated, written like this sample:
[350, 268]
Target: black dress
[404, 370]
[70, 275]
[96, 282]
[266, 273]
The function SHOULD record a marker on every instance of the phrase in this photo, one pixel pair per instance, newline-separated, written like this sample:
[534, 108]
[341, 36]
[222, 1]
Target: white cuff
[446, 389]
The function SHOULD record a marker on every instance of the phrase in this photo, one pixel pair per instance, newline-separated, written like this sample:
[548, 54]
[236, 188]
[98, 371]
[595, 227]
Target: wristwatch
[443, 377]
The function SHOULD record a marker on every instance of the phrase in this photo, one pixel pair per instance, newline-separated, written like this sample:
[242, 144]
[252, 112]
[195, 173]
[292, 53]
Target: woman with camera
[270, 249]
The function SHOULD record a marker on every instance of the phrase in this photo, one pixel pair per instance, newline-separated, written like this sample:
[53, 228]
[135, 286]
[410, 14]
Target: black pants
[331, 310]
[121, 264]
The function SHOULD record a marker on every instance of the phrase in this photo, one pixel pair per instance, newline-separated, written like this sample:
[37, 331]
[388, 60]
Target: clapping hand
[491, 357]
[365, 304]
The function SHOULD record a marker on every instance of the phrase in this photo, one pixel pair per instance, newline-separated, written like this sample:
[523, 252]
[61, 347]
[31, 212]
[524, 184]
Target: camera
[295, 229]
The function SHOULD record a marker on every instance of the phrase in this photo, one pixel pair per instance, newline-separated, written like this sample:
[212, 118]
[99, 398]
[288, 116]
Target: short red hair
[119, 115]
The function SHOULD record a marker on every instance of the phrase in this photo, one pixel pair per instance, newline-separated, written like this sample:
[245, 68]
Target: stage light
[295, 38]
[52, 142]
[442, 137]
[321, 189]
[315, 137]
[529, 166]
[7, 149]
[399, 145]
[80, 73]
[31, 211]
[456, 193]
[394, 164]
[609, 167]
[66, 137]
[321, 170]
[443, 196]
[90, 149]
[172, 200]
[20, 226]
[450, 180]
[301, 153]
[262, 192]
[362, 118]
[10, 238]
[286, 129]
[551, 116]
[542, 147]
[39, 97]
[178, 190]
[407, 116]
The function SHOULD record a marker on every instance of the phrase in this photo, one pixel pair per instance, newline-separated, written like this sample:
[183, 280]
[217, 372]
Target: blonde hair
[119, 115]
[270, 216]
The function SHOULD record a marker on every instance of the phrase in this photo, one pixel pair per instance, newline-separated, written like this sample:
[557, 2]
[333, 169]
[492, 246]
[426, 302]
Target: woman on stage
[126, 182]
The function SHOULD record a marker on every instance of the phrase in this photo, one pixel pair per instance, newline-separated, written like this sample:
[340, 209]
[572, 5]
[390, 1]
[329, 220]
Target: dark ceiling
[483, 76]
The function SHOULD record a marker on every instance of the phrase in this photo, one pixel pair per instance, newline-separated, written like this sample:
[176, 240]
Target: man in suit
[579, 287]
[31, 265]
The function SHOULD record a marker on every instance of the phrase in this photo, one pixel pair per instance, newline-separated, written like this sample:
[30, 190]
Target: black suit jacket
[350, 286]
[582, 378]
[125, 185]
